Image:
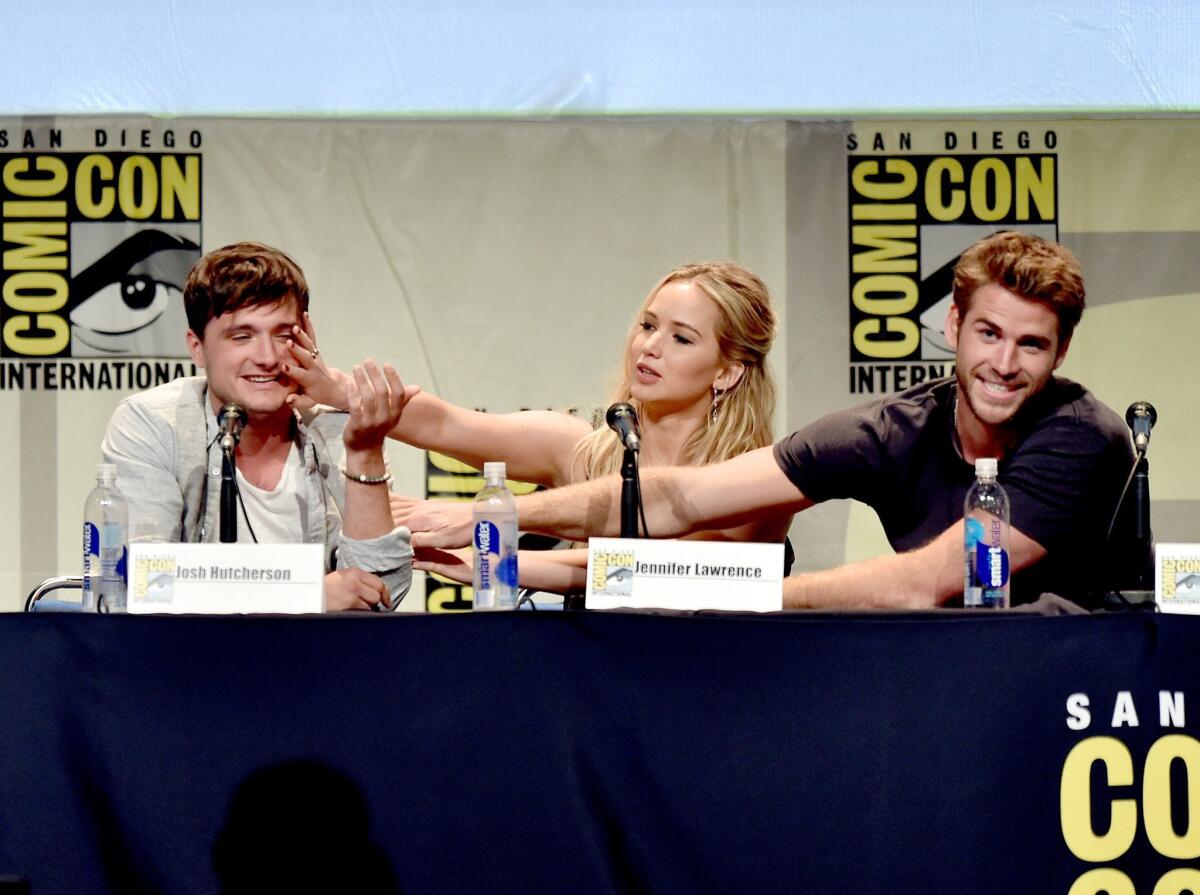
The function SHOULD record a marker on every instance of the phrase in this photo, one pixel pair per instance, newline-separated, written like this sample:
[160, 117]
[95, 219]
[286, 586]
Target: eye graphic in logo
[619, 580]
[1187, 584]
[130, 300]
[619, 575]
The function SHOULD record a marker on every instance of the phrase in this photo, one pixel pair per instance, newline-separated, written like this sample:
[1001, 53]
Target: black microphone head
[231, 419]
[1141, 410]
[622, 419]
[619, 411]
[234, 410]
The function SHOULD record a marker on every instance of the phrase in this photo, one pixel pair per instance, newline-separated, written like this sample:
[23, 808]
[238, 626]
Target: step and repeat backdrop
[499, 264]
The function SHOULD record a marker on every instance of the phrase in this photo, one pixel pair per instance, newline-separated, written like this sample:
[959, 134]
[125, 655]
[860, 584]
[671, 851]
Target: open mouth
[645, 374]
[1001, 391]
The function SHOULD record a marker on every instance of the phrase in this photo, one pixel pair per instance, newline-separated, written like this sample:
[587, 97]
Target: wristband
[364, 479]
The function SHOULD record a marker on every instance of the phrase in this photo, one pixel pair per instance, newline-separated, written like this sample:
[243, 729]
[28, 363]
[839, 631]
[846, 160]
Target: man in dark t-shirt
[1063, 456]
[901, 456]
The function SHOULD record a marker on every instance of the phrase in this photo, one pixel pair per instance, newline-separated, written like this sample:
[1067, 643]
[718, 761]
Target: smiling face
[1006, 348]
[674, 357]
[243, 352]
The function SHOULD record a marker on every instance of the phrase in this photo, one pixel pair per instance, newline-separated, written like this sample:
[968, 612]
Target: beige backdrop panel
[497, 264]
[1128, 204]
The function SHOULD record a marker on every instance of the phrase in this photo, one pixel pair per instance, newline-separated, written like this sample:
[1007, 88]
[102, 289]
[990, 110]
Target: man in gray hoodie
[317, 476]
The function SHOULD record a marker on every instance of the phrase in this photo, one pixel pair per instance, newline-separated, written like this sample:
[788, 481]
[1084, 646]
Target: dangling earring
[715, 410]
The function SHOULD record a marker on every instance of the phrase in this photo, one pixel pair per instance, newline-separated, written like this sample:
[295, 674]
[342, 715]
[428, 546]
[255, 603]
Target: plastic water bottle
[495, 540]
[986, 522]
[105, 531]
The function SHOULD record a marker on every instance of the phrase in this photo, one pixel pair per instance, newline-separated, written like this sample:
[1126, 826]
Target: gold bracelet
[364, 479]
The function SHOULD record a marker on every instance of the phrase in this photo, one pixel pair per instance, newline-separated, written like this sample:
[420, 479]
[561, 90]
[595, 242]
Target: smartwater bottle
[495, 542]
[986, 522]
[105, 531]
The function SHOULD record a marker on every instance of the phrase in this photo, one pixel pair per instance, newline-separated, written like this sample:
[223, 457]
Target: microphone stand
[630, 498]
[630, 495]
[228, 490]
[1143, 537]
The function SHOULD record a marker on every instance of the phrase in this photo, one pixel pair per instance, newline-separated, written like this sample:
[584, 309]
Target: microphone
[622, 419]
[1140, 418]
[230, 420]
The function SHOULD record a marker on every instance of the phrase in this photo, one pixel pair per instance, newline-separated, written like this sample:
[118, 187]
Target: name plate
[655, 574]
[226, 579]
[1177, 577]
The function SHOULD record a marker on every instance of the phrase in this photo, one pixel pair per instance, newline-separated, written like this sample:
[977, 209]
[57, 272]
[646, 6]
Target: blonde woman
[694, 368]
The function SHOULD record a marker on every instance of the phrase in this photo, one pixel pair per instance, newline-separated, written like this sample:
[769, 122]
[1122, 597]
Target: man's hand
[355, 589]
[457, 565]
[376, 403]
[434, 523]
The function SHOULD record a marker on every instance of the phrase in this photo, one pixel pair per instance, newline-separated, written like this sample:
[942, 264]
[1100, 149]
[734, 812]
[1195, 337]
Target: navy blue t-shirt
[899, 456]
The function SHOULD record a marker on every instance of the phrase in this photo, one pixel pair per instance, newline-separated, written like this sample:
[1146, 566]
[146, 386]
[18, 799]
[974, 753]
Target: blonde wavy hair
[745, 330]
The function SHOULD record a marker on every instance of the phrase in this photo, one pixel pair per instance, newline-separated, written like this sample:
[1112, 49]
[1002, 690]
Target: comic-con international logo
[612, 573]
[96, 248]
[910, 217]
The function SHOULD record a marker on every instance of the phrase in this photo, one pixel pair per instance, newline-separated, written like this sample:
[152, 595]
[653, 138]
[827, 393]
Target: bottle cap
[495, 470]
[986, 466]
[106, 471]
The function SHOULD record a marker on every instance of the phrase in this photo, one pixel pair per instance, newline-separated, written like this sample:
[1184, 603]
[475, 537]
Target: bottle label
[987, 562]
[91, 539]
[974, 533]
[506, 571]
[991, 565]
[123, 565]
[91, 556]
[487, 546]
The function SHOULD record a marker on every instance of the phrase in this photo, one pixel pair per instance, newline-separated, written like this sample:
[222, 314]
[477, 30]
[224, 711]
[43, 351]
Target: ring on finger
[316, 352]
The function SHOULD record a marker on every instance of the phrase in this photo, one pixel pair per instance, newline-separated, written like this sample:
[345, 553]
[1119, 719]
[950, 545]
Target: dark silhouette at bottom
[300, 826]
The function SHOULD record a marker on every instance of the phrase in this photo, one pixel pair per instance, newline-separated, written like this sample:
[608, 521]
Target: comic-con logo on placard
[910, 217]
[96, 249]
[612, 573]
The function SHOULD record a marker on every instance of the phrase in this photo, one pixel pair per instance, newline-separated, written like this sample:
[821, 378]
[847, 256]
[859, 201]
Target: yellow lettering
[1035, 185]
[888, 248]
[1103, 879]
[902, 294]
[35, 208]
[450, 599]
[866, 341]
[50, 291]
[39, 346]
[182, 186]
[1075, 801]
[137, 204]
[599, 573]
[36, 241]
[1002, 181]
[904, 211]
[940, 172]
[1156, 797]
[36, 187]
[454, 484]
[91, 168]
[449, 464]
[884, 191]
[1178, 881]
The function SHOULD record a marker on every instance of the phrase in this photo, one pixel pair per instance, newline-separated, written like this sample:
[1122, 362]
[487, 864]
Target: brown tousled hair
[1029, 266]
[238, 276]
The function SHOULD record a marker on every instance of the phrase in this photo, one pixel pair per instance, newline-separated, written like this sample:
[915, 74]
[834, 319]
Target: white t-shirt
[276, 515]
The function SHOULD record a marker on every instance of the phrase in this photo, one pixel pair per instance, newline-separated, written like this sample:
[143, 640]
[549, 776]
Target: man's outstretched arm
[677, 499]
[917, 579]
